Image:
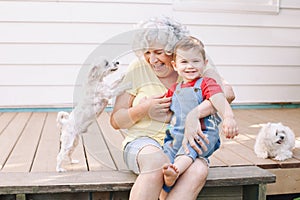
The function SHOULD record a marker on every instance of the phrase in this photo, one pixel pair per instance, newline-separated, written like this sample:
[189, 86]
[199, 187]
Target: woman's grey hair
[158, 31]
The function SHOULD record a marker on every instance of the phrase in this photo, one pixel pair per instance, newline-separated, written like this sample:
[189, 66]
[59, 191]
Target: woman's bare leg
[149, 183]
[190, 183]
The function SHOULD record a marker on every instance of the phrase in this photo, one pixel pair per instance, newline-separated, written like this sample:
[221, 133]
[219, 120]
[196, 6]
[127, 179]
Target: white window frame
[233, 6]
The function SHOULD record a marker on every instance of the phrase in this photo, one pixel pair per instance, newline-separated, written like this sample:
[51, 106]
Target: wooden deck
[29, 143]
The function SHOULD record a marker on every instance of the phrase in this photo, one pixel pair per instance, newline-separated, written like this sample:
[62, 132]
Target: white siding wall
[44, 43]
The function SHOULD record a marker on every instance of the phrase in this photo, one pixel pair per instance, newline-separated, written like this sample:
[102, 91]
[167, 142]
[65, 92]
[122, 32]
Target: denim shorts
[173, 146]
[132, 149]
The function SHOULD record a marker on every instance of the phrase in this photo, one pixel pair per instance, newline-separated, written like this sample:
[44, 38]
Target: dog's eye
[276, 133]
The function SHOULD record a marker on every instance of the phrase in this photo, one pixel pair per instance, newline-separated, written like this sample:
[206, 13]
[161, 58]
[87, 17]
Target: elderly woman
[144, 112]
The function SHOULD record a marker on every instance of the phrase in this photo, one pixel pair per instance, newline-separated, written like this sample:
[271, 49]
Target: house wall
[43, 45]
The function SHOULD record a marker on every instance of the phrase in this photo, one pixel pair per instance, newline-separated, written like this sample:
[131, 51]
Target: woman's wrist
[138, 112]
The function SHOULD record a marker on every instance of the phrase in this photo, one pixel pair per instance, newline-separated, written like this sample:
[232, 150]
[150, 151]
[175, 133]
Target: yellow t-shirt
[144, 84]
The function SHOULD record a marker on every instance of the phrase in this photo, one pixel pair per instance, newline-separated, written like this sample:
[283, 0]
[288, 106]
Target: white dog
[275, 140]
[95, 98]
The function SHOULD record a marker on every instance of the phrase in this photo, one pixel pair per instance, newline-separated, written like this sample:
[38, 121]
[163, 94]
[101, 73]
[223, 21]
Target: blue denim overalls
[183, 101]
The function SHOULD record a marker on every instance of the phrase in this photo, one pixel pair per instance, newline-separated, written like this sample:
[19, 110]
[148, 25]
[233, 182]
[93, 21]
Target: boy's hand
[229, 127]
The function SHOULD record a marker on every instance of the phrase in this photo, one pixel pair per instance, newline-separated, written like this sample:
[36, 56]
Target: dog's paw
[74, 161]
[60, 169]
[262, 155]
[282, 157]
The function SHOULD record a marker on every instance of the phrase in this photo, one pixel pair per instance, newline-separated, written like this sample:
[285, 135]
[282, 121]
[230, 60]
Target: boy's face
[189, 64]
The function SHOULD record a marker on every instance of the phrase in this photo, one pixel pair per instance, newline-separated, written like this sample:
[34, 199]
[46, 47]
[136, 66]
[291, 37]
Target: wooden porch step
[244, 182]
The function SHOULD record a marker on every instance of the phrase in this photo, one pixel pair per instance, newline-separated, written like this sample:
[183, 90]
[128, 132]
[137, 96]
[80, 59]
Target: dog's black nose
[116, 63]
[281, 137]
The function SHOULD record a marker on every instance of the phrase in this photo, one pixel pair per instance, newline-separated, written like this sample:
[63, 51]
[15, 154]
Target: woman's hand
[193, 133]
[158, 107]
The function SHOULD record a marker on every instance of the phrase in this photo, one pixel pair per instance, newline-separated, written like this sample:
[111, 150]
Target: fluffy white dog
[275, 140]
[97, 93]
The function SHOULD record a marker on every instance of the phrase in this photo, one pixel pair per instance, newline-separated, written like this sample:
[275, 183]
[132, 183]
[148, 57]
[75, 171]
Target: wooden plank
[5, 119]
[93, 11]
[226, 155]
[284, 19]
[289, 117]
[245, 148]
[215, 162]
[93, 33]
[59, 196]
[246, 139]
[23, 154]
[296, 151]
[113, 140]
[254, 192]
[88, 33]
[250, 94]
[236, 35]
[250, 122]
[39, 95]
[101, 195]
[62, 74]
[45, 159]
[224, 193]
[98, 155]
[52, 182]
[247, 153]
[78, 154]
[10, 136]
[242, 175]
[287, 181]
[118, 46]
[101, 12]
[286, 75]
[244, 55]
[47, 182]
[48, 148]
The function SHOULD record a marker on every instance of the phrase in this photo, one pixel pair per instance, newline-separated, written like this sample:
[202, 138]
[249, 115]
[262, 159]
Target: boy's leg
[171, 174]
[190, 183]
[173, 171]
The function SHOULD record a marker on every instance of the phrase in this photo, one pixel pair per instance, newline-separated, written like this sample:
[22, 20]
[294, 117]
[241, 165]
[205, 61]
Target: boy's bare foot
[171, 174]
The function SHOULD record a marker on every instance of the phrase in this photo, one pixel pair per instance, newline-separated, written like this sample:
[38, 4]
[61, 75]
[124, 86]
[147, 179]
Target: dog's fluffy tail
[62, 118]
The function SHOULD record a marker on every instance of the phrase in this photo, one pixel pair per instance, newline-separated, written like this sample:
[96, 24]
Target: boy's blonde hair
[190, 42]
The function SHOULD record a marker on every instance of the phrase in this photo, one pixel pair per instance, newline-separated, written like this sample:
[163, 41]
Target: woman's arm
[226, 87]
[124, 115]
[228, 91]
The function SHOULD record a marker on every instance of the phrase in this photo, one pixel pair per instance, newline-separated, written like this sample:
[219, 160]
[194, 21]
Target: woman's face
[159, 61]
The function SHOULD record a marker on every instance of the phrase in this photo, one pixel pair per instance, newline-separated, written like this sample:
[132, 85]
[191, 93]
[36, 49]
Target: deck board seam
[38, 143]
[16, 142]
[8, 123]
[107, 146]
